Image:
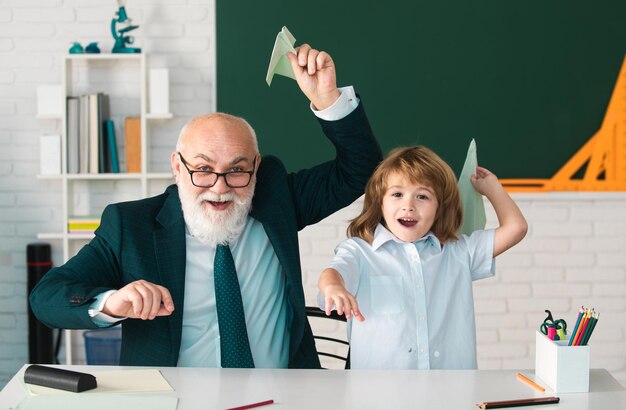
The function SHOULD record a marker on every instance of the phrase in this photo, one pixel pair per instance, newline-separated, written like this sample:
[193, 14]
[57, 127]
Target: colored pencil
[592, 326]
[581, 329]
[529, 382]
[252, 405]
[517, 403]
[587, 329]
[581, 325]
[580, 315]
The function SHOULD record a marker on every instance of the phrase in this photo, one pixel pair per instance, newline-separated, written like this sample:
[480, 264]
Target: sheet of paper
[82, 401]
[474, 217]
[114, 381]
[279, 63]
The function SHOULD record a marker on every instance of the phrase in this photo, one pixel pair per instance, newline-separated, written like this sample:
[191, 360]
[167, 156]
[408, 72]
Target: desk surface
[201, 388]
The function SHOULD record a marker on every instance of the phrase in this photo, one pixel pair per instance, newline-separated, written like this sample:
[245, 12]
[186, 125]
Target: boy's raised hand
[512, 224]
[484, 181]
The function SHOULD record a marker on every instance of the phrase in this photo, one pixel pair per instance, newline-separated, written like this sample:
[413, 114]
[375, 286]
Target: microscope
[120, 35]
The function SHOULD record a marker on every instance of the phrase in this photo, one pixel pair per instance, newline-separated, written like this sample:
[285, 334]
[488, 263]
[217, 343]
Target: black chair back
[315, 312]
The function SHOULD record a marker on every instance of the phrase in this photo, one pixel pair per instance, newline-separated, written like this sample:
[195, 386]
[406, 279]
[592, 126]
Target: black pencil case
[59, 378]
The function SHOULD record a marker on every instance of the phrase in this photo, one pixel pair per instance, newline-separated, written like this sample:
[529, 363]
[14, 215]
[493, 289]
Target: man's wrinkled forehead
[217, 126]
[221, 128]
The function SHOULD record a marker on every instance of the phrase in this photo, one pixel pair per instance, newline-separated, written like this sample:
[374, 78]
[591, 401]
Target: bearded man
[164, 266]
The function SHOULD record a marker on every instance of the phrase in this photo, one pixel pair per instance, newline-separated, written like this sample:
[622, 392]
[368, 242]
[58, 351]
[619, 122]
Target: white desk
[356, 389]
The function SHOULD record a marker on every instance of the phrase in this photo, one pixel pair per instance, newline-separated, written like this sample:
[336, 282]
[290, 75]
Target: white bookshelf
[123, 78]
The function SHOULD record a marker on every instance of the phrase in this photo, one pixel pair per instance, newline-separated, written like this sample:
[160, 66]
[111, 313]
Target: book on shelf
[83, 134]
[82, 224]
[87, 135]
[132, 138]
[104, 158]
[72, 132]
[93, 133]
[112, 142]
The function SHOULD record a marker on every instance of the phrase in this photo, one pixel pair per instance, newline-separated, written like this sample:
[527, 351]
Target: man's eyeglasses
[206, 179]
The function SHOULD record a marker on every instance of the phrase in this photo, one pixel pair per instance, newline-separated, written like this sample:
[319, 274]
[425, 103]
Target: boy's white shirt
[416, 298]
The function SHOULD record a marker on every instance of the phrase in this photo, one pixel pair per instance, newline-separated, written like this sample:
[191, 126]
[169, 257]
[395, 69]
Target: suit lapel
[169, 244]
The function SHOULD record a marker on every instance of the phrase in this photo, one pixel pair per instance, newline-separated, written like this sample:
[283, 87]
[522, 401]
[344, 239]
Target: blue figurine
[92, 48]
[120, 36]
[76, 48]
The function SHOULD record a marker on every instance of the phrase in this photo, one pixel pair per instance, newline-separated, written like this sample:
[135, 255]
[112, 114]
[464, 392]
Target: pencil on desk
[252, 405]
[517, 403]
[529, 382]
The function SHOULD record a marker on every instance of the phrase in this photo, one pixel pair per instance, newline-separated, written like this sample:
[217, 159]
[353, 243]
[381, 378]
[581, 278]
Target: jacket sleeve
[326, 188]
[62, 297]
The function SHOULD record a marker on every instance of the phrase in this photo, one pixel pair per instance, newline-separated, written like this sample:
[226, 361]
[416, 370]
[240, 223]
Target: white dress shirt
[416, 298]
[262, 283]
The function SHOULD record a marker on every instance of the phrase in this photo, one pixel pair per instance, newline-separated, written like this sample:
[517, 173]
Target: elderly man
[208, 273]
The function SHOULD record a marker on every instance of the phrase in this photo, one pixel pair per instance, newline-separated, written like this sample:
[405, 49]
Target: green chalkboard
[529, 80]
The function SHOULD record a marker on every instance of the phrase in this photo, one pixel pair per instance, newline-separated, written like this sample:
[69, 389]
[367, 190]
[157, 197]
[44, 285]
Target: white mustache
[210, 196]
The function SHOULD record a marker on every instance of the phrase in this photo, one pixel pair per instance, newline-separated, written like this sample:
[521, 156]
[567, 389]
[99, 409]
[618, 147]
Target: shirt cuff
[345, 104]
[95, 311]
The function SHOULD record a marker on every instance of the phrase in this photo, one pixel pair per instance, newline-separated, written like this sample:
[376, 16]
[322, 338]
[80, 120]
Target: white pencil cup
[565, 369]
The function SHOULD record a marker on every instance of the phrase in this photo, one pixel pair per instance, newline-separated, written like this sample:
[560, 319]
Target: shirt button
[436, 354]
[422, 350]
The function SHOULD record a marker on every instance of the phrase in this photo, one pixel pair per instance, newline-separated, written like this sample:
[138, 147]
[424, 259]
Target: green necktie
[234, 342]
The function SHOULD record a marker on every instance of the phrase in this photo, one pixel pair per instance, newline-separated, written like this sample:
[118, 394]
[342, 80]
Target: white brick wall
[572, 255]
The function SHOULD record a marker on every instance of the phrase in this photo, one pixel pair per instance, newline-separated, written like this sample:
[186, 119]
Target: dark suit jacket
[145, 239]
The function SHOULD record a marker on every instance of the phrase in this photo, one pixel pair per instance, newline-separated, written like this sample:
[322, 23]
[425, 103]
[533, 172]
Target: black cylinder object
[38, 261]
[59, 378]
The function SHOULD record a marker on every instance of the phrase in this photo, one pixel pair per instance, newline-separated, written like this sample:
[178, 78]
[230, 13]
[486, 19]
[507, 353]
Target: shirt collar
[382, 235]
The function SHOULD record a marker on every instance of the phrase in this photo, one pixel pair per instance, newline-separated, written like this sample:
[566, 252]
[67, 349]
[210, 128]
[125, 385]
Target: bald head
[218, 125]
[217, 143]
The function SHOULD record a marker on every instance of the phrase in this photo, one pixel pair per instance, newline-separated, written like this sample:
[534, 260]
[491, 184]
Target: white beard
[215, 227]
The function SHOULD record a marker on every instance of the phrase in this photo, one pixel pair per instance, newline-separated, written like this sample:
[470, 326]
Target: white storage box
[565, 369]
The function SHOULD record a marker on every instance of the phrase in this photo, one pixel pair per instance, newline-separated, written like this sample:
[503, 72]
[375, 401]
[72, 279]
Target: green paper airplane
[474, 217]
[279, 63]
